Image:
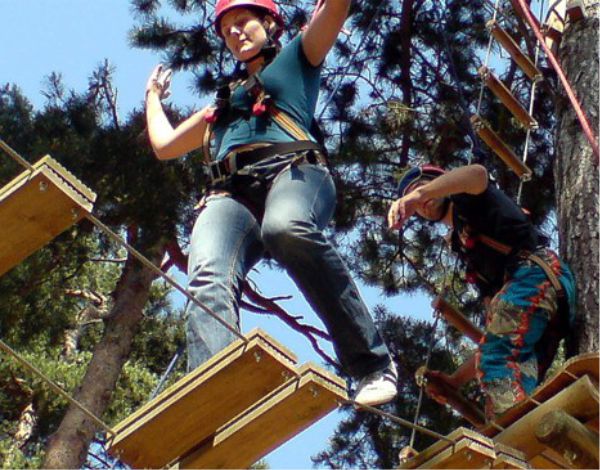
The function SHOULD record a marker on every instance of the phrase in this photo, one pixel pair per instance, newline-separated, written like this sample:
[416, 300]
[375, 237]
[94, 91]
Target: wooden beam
[517, 55]
[500, 148]
[567, 436]
[272, 421]
[457, 319]
[36, 207]
[192, 409]
[580, 400]
[441, 389]
[506, 97]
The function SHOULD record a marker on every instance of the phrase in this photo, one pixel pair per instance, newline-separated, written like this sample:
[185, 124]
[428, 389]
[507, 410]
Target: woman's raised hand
[160, 82]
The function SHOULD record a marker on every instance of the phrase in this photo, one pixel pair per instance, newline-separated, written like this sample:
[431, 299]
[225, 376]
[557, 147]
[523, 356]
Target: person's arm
[472, 179]
[168, 142]
[323, 29]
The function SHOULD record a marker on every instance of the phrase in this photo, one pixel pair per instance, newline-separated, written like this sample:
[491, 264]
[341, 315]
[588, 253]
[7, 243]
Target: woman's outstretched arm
[323, 29]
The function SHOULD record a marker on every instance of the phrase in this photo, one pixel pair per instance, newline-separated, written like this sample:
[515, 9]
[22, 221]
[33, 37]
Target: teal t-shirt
[292, 82]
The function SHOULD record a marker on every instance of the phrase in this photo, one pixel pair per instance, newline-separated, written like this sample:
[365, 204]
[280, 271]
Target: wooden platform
[469, 449]
[270, 422]
[192, 410]
[37, 206]
[573, 389]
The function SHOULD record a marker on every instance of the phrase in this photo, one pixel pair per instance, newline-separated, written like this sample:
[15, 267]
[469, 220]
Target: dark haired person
[528, 291]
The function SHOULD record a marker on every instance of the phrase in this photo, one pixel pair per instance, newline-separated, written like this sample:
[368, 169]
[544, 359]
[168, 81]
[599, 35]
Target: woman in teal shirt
[270, 191]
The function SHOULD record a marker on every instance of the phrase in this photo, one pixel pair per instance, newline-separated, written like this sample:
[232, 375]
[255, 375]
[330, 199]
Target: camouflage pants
[517, 318]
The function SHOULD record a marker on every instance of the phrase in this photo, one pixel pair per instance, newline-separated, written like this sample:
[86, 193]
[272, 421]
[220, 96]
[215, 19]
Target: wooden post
[569, 437]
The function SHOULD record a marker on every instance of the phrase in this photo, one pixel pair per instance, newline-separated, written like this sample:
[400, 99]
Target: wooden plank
[270, 422]
[506, 97]
[500, 148]
[517, 55]
[467, 449]
[580, 400]
[196, 406]
[36, 207]
[507, 457]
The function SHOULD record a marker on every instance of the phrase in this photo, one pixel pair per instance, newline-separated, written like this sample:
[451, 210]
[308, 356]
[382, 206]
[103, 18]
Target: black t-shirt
[491, 214]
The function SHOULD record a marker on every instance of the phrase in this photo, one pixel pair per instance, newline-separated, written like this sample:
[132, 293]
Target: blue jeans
[229, 239]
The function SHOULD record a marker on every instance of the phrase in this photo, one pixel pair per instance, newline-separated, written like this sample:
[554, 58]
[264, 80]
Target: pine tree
[576, 173]
[82, 294]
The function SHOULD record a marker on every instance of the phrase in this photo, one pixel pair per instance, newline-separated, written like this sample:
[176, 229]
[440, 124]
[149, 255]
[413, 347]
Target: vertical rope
[531, 103]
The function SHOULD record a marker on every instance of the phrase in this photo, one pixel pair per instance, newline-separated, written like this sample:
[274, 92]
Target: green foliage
[43, 298]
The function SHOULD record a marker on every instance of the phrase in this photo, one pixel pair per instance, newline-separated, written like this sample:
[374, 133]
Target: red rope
[587, 128]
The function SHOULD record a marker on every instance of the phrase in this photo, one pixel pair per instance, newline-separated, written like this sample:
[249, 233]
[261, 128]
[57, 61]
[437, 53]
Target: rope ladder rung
[517, 55]
[502, 92]
[500, 148]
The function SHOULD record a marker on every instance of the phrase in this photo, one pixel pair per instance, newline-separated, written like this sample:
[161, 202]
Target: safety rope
[398, 420]
[11, 352]
[155, 269]
[432, 342]
[485, 63]
[167, 372]
[135, 253]
[583, 120]
[531, 103]
[141, 258]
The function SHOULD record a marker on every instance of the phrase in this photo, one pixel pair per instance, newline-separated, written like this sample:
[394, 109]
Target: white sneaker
[378, 388]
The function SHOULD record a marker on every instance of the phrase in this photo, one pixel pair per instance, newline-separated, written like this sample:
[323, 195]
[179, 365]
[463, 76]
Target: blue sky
[72, 37]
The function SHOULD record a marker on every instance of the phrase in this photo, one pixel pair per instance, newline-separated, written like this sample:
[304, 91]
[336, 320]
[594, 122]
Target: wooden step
[505, 96]
[467, 449]
[196, 406]
[500, 148]
[270, 422]
[36, 207]
[509, 44]
[457, 319]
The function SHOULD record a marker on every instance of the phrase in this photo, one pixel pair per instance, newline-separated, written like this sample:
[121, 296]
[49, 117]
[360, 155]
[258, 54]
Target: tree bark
[576, 175]
[68, 447]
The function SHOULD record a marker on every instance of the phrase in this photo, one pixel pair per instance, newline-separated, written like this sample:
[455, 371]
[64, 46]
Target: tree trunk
[68, 447]
[576, 175]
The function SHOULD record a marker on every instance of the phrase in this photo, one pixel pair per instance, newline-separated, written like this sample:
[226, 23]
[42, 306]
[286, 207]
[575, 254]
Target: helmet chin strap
[269, 49]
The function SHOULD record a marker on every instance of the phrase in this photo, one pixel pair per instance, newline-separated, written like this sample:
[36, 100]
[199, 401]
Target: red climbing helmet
[268, 6]
[417, 173]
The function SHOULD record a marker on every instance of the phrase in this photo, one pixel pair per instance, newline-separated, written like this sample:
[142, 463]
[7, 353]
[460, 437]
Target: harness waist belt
[232, 162]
